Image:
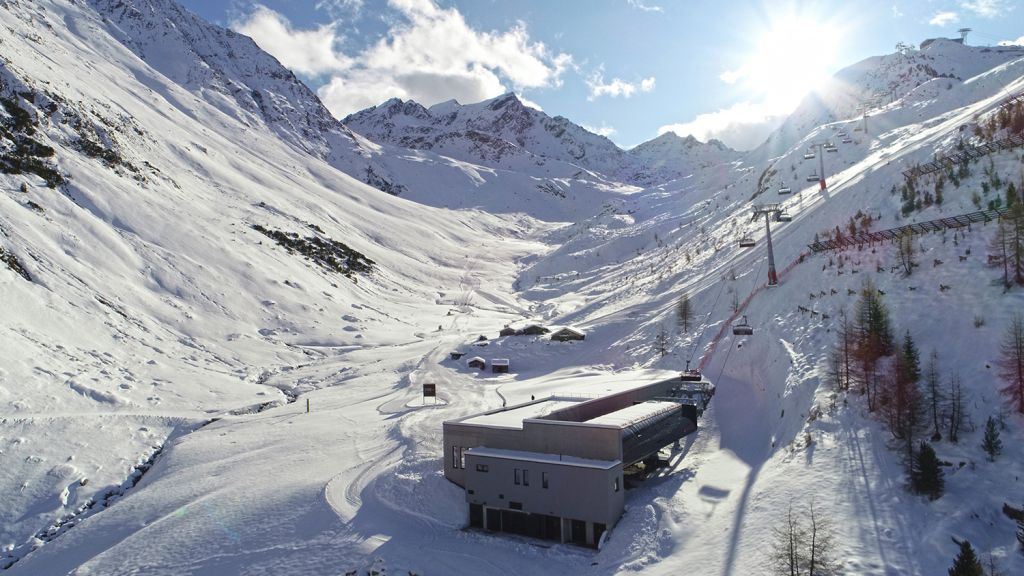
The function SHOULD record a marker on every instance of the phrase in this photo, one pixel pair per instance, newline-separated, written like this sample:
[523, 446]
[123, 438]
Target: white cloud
[896, 12]
[743, 126]
[987, 8]
[313, 52]
[639, 5]
[429, 54]
[1017, 42]
[604, 130]
[339, 8]
[616, 87]
[944, 18]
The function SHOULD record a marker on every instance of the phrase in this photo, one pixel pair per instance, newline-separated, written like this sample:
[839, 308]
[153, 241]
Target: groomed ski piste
[158, 321]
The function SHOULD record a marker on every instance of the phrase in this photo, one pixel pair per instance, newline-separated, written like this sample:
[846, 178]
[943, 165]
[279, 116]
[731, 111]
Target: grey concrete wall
[591, 442]
[573, 492]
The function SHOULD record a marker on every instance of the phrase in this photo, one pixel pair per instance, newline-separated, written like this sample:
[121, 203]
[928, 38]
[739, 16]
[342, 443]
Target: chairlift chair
[813, 177]
[785, 190]
[743, 328]
[808, 155]
[783, 216]
[747, 242]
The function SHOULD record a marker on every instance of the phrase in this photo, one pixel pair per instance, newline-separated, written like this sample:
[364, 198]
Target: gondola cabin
[691, 376]
[742, 328]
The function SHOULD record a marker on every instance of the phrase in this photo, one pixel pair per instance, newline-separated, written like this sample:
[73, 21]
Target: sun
[791, 56]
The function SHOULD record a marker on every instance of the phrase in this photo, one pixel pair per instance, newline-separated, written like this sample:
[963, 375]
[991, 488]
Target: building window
[544, 479]
[519, 476]
[515, 505]
[615, 485]
[456, 456]
[482, 468]
[526, 477]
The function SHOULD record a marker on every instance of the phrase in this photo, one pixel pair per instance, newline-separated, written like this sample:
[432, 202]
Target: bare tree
[1011, 362]
[905, 251]
[956, 408]
[933, 390]
[803, 545]
[661, 342]
[684, 313]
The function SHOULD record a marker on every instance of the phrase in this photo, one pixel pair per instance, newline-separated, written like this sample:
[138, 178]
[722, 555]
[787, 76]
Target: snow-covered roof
[476, 359]
[499, 362]
[570, 329]
[635, 413]
[513, 417]
[542, 457]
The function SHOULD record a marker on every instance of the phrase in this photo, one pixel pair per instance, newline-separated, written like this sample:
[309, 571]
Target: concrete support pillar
[566, 530]
[590, 534]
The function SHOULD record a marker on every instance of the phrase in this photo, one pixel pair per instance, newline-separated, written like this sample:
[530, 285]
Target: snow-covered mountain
[882, 83]
[179, 263]
[505, 133]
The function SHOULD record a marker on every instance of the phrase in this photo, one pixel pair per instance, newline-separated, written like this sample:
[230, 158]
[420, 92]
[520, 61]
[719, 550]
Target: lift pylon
[769, 211]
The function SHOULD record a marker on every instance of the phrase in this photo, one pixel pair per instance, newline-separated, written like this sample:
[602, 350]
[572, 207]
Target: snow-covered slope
[879, 83]
[161, 314]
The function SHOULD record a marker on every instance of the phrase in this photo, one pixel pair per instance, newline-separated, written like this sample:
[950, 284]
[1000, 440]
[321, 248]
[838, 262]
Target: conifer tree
[926, 475]
[967, 563]
[991, 443]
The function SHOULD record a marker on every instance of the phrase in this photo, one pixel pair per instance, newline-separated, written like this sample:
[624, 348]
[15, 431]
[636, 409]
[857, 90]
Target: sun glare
[793, 56]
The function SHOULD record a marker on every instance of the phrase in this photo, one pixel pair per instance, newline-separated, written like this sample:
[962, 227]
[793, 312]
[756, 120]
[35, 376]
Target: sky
[627, 69]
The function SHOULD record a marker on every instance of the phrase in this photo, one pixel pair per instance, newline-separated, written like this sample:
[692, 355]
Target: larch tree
[934, 394]
[1011, 362]
[955, 403]
[684, 313]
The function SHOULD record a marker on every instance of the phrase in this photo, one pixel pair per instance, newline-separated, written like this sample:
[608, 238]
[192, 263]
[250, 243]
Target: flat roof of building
[513, 416]
[633, 414]
[542, 457]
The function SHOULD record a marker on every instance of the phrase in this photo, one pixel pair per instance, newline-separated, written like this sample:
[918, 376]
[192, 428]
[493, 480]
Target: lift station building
[552, 468]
